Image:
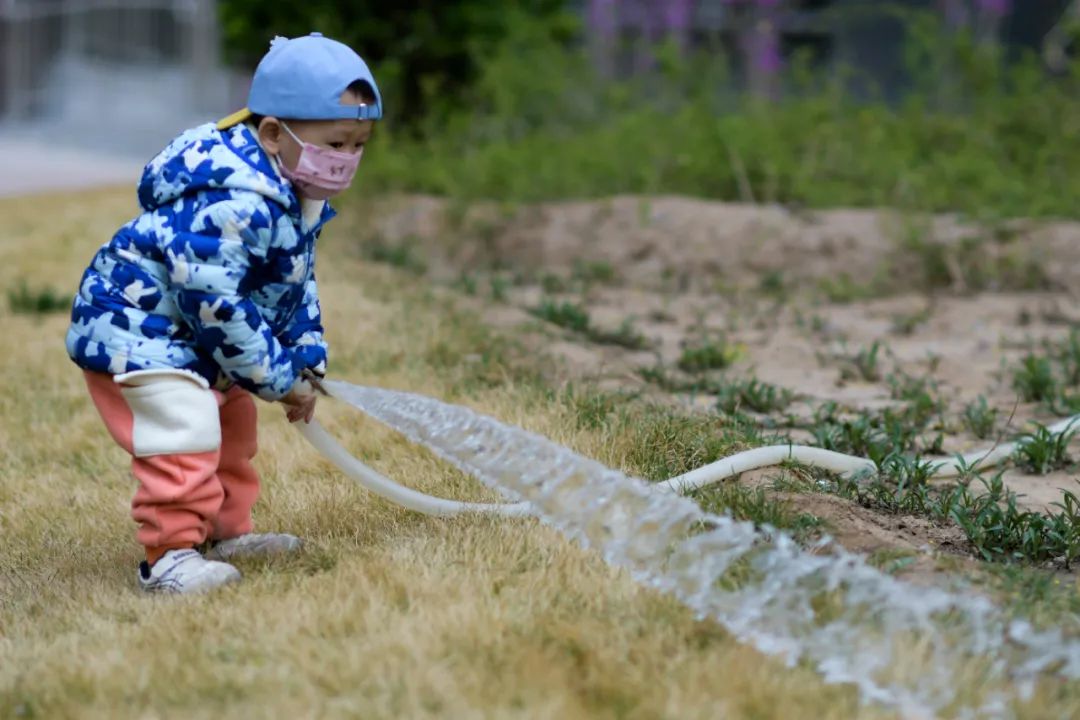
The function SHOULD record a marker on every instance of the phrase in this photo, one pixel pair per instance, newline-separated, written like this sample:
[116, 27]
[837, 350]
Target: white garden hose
[846, 465]
[380, 485]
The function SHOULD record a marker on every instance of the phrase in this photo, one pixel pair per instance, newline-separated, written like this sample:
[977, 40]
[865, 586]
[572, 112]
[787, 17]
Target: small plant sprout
[918, 393]
[908, 323]
[842, 289]
[1041, 451]
[599, 272]
[467, 284]
[499, 288]
[402, 255]
[773, 285]
[571, 316]
[626, 335]
[980, 418]
[713, 353]
[863, 365]
[1068, 358]
[753, 395]
[552, 283]
[1034, 379]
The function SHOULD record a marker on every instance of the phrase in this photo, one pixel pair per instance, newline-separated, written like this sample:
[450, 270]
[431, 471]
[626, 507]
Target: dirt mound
[864, 531]
[660, 242]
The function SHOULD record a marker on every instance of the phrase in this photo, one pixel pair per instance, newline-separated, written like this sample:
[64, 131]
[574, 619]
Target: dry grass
[387, 614]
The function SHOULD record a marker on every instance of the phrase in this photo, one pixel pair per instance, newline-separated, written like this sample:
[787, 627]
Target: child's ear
[270, 134]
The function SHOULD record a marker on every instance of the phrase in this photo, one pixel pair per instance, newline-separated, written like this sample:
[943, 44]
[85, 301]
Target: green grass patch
[625, 335]
[572, 316]
[404, 254]
[23, 300]
[708, 353]
[761, 508]
[753, 395]
[591, 272]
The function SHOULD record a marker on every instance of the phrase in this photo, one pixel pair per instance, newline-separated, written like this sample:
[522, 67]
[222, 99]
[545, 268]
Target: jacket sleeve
[304, 335]
[209, 263]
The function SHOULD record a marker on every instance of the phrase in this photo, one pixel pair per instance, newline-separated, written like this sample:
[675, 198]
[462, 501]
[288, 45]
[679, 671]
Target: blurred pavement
[31, 165]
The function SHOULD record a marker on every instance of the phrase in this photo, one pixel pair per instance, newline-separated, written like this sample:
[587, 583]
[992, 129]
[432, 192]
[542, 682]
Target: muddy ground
[795, 295]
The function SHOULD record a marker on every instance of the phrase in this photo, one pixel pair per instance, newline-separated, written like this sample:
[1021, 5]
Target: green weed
[500, 288]
[772, 284]
[1034, 594]
[863, 365]
[980, 418]
[1041, 451]
[842, 289]
[552, 284]
[659, 376]
[753, 395]
[24, 301]
[571, 316]
[918, 394]
[593, 409]
[467, 284]
[401, 255]
[978, 262]
[862, 436]
[1067, 356]
[713, 353]
[891, 560]
[594, 272]
[908, 323]
[757, 506]
[999, 530]
[991, 519]
[1035, 380]
[626, 335]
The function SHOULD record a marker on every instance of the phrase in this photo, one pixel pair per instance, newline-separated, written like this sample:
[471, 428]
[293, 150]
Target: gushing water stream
[898, 644]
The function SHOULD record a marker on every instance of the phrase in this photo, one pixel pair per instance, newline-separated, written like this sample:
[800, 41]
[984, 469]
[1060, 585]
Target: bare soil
[796, 293]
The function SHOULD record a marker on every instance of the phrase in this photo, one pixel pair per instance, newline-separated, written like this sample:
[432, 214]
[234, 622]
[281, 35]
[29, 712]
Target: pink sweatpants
[184, 499]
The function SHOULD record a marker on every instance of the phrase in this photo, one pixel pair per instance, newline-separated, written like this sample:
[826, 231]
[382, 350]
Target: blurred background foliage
[426, 52]
[506, 100]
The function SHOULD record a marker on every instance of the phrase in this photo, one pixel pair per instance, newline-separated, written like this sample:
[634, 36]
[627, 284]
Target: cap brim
[235, 119]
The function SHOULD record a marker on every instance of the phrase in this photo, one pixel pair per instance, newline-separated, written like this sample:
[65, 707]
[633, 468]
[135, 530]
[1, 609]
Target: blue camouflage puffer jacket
[216, 276]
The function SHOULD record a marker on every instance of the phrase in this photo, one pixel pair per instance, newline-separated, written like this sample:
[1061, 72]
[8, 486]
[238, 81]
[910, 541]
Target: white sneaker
[254, 545]
[179, 572]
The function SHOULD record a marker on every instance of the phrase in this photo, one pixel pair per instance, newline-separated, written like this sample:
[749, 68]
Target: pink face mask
[321, 172]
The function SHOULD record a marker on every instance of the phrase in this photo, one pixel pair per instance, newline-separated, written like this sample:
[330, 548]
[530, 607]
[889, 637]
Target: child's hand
[299, 403]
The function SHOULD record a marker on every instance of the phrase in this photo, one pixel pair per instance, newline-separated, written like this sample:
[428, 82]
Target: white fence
[130, 70]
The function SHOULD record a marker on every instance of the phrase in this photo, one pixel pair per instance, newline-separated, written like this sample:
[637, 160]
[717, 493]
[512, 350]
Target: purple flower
[997, 8]
[602, 17]
[677, 15]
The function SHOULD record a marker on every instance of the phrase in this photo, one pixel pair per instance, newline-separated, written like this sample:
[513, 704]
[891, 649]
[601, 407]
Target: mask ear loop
[285, 170]
[299, 142]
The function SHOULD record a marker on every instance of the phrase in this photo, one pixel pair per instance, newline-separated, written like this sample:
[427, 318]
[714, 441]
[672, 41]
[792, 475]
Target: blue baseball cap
[303, 79]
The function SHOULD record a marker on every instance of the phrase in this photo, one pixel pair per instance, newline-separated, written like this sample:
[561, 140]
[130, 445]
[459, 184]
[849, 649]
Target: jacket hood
[205, 158]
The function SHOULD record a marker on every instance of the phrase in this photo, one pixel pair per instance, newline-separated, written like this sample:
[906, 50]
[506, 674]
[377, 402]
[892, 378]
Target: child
[209, 297]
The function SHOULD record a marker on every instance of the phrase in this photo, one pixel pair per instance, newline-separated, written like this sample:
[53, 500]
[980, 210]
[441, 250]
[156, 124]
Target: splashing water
[899, 645]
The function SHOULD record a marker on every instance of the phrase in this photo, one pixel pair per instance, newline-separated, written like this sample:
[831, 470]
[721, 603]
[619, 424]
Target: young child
[209, 296]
